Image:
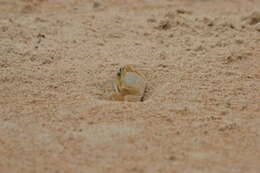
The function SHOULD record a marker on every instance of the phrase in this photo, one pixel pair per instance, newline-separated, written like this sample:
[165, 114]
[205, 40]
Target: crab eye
[119, 72]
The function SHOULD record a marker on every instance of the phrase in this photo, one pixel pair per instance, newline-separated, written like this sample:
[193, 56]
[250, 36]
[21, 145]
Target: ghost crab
[129, 85]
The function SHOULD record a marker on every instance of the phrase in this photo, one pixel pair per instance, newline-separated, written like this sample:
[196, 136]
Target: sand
[201, 111]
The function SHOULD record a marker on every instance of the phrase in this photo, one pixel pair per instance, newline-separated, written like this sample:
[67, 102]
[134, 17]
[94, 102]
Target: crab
[129, 85]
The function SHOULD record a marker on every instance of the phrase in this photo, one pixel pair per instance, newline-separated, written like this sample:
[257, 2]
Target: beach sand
[201, 110]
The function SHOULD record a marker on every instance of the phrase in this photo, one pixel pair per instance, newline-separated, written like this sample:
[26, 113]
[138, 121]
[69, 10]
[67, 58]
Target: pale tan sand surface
[201, 112]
